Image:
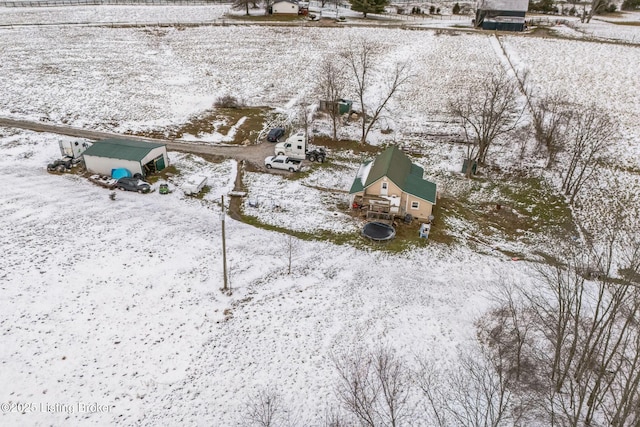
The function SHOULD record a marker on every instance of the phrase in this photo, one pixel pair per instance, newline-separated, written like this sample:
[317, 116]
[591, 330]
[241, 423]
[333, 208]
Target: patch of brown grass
[345, 145]
[219, 120]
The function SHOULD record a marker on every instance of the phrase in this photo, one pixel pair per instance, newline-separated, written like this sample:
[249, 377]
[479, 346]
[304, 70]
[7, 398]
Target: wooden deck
[375, 209]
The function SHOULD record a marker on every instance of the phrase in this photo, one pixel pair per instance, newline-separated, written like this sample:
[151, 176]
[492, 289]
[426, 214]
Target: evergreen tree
[456, 9]
[369, 6]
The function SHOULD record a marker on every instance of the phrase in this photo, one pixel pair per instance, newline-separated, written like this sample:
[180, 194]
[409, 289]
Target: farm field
[117, 303]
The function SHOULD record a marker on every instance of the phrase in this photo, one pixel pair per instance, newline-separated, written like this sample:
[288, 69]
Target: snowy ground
[118, 302]
[623, 28]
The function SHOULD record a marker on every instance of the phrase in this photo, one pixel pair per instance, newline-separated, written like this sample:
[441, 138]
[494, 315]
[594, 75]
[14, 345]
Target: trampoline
[378, 231]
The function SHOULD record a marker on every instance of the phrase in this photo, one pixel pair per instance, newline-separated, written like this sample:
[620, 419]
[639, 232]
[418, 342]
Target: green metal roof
[398, 168]
[124, 149]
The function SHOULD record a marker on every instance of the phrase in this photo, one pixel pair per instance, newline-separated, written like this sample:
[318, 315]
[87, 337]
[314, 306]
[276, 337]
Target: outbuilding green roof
[124, 149]
[398, 168]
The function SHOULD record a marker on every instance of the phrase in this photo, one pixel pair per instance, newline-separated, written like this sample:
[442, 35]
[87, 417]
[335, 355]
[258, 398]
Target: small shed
[342, 106]
[136, 156]
[289, 7]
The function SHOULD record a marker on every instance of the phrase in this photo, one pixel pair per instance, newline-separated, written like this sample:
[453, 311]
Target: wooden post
[224, 249]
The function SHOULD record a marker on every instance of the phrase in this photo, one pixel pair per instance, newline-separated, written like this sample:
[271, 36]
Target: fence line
[50, 3]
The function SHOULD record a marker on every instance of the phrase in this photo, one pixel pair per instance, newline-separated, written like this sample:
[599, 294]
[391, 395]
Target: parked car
[133, 184]
[282, 162]
[275, 134]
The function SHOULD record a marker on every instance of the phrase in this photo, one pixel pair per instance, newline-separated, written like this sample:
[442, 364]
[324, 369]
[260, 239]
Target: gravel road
[254, 154]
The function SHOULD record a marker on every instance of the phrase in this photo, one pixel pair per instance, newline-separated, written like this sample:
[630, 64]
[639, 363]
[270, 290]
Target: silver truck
[282, 162]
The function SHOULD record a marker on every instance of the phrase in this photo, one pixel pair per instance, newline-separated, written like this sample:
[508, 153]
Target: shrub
[630, 4]
[228, 101]
[432, 10]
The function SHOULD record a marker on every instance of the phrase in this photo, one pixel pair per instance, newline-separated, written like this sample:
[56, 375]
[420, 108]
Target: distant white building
[501, 15]
[289, 7]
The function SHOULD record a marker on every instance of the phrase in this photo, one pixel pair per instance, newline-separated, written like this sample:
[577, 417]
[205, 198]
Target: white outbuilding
[290, 7]
[136, 156]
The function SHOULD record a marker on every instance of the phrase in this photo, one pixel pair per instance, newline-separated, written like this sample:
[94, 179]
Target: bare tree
[361, 59]
[333, 418]
[267, 6]
[507, 330]
[584, 320]
[331, 84]
[626, 408]
[305, 116]
[268, 408]
[550, 119]
[289, 248]
[475, 395]
[597, 6]
[265, 408]
[487, 112]
[590, 132]
[374, 387]
[243, 4]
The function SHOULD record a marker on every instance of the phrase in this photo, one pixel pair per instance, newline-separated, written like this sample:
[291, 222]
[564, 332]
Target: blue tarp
[120, 173]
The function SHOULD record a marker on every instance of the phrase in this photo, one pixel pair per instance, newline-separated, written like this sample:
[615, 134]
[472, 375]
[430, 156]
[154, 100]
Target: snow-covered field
[118, 303]
[112, 14]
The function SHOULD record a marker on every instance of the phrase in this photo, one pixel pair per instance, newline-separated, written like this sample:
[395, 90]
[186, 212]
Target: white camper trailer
[73, 149]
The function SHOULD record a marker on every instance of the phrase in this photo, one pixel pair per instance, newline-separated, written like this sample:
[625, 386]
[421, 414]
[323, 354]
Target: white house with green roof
[392, 180]
[136, 156]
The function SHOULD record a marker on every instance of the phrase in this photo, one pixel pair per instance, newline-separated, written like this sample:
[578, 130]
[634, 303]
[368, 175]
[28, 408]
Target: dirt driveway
[253, 154]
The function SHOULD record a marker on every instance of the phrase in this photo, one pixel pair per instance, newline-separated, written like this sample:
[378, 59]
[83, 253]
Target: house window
[415, 205]
[385, 185]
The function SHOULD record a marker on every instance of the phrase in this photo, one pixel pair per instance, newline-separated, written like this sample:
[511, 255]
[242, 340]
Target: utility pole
[224, 249]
